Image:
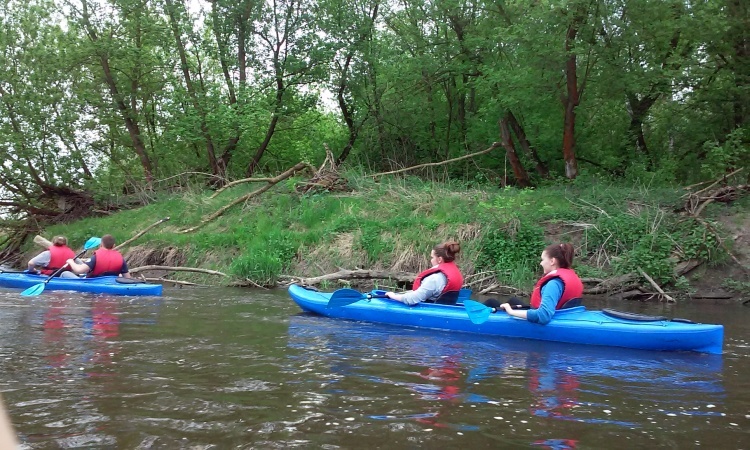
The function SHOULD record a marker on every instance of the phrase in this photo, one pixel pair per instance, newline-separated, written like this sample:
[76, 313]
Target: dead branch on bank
[297, 167]
[656, 286]
[448, 161]
[250, 180]
[167, 280]
[326, 178]
[145, 230]
[696, 201]
[177, 269]
[358, 274]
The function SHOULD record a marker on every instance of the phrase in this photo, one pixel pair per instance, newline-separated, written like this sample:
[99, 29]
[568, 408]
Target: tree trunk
[739, 35]
[345, 111]
[570, 101]
[522, 177]
[216, 168]
[129, 116]
[541, 168]
[253, 166]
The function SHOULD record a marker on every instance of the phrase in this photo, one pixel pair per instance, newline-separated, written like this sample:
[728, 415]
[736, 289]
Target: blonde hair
[59, 241]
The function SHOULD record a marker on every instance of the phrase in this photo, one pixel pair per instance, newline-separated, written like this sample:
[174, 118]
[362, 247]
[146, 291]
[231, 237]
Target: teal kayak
[97, 285]
[573, 325]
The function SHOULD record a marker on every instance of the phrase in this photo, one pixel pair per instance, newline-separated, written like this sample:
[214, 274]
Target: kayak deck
[574, 325]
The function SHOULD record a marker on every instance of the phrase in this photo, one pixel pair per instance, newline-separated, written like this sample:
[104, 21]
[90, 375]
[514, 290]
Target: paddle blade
[464, 294]
[92, 242]
[478, 313]
[343, 297]
[34, 290]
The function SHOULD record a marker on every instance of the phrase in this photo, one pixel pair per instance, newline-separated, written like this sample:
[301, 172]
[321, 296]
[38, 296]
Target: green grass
[394, 222]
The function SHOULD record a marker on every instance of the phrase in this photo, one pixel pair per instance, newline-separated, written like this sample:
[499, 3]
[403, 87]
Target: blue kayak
[573, 325]
[96, 285]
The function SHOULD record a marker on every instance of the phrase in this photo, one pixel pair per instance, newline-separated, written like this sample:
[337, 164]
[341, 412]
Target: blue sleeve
[92, 262]
[551, 293]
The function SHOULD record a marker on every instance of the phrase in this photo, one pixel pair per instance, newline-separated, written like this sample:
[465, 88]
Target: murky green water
[230, 368]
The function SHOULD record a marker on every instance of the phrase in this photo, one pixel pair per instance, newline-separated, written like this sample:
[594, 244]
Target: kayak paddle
[39, 288]
[478, 313]
[345, 296]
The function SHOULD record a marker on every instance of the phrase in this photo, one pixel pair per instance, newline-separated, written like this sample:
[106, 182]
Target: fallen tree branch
[715, 182]
[358, 274]
[297, 167]
[142, 233]
[419, 166]
[493, 289]
[249, 180]
[656, 286]
[167, 280]
[616, 284]
[177, 269]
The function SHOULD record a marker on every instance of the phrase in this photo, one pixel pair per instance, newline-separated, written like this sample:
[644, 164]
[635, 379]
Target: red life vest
[108, 262]
[58, 257]
[451, 272]
[572, 287]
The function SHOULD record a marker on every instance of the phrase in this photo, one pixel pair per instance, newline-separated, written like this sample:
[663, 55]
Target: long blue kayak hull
[97, 285]
[574, 325]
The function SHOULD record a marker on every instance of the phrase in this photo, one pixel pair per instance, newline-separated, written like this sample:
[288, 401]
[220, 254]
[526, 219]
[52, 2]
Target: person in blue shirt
[558, 286]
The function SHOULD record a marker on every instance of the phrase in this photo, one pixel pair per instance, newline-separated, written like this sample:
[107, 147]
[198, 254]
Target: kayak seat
[447, 298]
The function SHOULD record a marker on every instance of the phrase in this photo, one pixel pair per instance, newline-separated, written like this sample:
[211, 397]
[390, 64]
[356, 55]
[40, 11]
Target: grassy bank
[392, 225]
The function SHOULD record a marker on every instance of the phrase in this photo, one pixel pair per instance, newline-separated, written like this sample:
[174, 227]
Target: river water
[229, 368]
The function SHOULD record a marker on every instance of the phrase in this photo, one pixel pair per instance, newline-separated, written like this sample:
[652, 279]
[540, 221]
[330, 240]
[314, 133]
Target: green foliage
[266, 257]
[726, 156]
[651, 254]
[512, 250]
[371, 241]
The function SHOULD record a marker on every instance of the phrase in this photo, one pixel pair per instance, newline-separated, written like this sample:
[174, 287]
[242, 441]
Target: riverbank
[624, 234]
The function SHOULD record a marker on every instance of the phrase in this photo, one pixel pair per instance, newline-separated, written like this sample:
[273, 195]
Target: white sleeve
[430, 288]
[41, 259]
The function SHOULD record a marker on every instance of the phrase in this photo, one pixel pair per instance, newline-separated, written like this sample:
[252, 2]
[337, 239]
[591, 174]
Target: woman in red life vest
[438, 284]
[558, 286]
[53, 258]
[106, 261]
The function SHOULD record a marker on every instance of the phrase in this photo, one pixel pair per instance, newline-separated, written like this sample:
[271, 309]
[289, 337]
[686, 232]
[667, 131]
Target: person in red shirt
[53, 258]
[106, 261]
[440, 283]
[558, 288]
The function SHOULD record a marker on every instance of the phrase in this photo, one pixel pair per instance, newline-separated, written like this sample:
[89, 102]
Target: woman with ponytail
[438, 284]
[558, 286]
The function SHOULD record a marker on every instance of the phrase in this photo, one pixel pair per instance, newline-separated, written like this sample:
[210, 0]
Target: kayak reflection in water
[447, 374]
[102, 326]
[55, 334]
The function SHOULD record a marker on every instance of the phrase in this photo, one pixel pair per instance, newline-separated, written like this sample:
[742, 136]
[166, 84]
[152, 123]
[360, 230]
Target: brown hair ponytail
[447, 250]
[563, 253]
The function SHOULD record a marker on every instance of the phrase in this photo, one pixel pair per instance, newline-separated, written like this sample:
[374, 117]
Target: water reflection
[551, 382]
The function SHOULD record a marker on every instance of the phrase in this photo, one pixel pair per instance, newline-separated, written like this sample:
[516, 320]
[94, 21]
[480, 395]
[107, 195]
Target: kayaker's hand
[392, 295]
[506, 307]
[31, 271]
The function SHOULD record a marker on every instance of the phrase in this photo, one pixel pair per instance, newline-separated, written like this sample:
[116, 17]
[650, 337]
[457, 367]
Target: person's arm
[79, 268]
[431, 287]
[40, 260]
[124, 270]
[551, 293]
